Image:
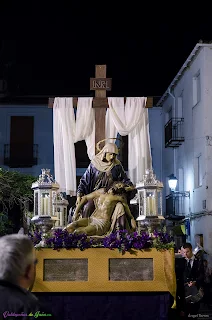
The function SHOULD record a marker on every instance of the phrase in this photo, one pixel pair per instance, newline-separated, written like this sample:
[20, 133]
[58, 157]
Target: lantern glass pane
[45, 203]
[36, 203]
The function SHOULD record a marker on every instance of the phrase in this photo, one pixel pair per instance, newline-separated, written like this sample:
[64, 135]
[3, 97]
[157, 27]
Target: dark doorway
[21, 141]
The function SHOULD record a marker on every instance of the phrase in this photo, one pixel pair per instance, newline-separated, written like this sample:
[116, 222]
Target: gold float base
[98, 271]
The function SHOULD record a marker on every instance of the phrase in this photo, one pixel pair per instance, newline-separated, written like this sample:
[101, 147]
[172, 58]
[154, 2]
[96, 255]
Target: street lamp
[172, 182]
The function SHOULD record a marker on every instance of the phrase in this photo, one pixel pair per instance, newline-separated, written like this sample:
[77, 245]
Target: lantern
[45, 189]
[60, 205]
[150, 198]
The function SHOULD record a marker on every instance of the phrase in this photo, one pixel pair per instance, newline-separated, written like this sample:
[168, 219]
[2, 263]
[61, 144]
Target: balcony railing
[20, 155]
[174, 134]
[175, 205]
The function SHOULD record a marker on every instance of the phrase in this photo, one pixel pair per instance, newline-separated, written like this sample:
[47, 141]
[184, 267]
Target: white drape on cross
[67, 131]
[129, 119]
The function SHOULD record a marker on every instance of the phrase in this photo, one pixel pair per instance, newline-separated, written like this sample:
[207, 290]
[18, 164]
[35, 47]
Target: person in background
[207, 284]
[191, 282]
[17, 275]
[181, 252]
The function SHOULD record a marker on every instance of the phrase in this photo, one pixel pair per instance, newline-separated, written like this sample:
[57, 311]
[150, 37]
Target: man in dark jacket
[17, 275]
[190, 282]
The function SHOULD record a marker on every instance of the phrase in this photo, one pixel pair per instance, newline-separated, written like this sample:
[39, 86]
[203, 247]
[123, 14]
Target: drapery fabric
[131, 118]
[67, 131]
[85, 124]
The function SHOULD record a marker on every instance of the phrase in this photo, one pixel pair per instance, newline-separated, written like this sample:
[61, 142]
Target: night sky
[53, 51]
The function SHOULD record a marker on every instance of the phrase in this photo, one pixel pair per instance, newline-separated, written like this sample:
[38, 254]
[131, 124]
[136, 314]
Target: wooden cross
[101, 85]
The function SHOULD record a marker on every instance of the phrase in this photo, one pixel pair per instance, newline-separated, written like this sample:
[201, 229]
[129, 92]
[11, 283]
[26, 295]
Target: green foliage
[5, 224]
[160, 246]
[15, 188]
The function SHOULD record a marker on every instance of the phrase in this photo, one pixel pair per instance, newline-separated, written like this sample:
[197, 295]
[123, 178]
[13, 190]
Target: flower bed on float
[121, 240]
[146, 262]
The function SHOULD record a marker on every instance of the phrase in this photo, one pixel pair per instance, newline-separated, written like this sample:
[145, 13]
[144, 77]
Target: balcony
[20, 155]
[175, 206]
[174, 135]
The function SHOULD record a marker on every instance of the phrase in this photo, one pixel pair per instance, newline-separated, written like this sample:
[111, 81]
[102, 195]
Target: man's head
[17, 263]
[117, 187]
[188, 250]
[181, 251]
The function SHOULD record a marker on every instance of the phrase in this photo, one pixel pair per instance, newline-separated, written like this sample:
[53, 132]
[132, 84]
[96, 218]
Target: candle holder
[44, 224]
[48, 201]
[149, 192]
[59, 213]
[44, 190]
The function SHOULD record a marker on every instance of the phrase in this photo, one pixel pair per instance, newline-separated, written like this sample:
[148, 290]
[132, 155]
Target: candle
[149, 205]
[42, 206]
[152, 206]
[61, 218]
[58, 217]
[45, 205]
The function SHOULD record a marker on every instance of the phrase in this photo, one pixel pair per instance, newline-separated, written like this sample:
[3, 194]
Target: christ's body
[106, 202]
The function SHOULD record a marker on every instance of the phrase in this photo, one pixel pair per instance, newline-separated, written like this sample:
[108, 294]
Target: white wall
[156, 139]
[207, 82]
[197, 125]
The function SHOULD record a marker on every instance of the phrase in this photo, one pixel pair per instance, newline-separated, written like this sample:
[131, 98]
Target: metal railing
[174, 133]
[175, 205]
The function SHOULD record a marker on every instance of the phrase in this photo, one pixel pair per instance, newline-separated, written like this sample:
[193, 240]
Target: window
[181, 179]
[180, 106]
[170, 114]
[181, 188]
[199, 165]
[21, 141]
[198, 171]
[196, 89]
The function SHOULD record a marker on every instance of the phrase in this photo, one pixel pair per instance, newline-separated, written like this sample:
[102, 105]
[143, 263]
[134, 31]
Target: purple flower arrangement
[124, 241]
[36, 236]
[162, 240]
[121, 240]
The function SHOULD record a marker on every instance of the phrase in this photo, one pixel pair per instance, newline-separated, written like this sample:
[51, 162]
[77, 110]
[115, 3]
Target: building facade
[187, 144]
[26, 138]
